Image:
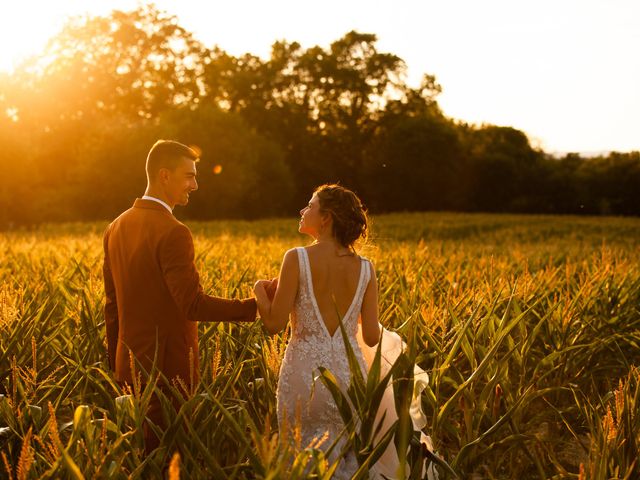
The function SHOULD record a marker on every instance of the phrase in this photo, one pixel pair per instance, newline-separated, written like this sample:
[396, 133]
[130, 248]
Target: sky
[566, 72]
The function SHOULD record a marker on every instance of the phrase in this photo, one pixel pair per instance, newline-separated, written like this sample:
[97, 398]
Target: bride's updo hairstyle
[350, 222]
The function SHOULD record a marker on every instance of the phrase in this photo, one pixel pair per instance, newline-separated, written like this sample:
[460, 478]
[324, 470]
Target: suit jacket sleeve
[111, 305]
[177, 260]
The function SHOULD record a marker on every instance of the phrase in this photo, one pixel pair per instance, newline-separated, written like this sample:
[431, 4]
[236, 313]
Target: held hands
[267, 286]
[264, 291]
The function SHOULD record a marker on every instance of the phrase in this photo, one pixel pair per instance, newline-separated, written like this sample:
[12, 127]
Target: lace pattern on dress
[301, 399]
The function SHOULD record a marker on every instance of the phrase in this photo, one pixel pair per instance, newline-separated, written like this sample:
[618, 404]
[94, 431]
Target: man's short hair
[167, 154]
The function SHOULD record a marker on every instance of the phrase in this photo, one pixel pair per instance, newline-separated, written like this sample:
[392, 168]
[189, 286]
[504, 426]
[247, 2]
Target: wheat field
[528, 326]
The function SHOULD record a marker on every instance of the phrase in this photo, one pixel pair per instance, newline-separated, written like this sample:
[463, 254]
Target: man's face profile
[180, 182]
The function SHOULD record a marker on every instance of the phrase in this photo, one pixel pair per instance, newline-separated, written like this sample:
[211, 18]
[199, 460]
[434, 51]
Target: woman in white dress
[319, 286]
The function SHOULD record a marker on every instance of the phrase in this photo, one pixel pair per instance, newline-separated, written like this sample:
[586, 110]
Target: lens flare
[196, 149]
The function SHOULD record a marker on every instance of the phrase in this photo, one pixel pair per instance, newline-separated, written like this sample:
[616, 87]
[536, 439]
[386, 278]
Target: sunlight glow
[567, 73]
[26, 26]
[21, 34]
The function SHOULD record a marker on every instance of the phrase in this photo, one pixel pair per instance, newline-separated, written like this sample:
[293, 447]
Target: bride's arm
[275, 315]
[369, 313]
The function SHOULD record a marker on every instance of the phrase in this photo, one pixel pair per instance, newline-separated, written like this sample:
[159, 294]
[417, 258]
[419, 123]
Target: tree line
[77, 121]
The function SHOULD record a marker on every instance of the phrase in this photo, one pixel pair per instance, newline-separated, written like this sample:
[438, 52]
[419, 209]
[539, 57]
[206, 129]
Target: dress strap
[303, 261]
[367, 268]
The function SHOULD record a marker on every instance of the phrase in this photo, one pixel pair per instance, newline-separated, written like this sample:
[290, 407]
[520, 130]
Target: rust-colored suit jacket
[153, 294]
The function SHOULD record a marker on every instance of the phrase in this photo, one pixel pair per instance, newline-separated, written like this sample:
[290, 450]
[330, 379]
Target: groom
[152, 288]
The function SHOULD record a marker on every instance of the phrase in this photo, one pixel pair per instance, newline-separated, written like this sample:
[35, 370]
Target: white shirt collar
[154, 199]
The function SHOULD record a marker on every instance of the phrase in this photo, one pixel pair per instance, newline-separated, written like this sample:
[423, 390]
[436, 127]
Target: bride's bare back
[335, 280]
[319, 286]
[335, 269]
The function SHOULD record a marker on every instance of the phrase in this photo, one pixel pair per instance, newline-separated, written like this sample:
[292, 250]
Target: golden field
[529, 328]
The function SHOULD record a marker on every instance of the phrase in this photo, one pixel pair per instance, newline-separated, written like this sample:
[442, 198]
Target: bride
[320, 285]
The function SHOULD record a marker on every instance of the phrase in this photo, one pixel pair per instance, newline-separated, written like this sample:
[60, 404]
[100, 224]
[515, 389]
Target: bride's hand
[271, 287]
[268, 286]
[260, 285]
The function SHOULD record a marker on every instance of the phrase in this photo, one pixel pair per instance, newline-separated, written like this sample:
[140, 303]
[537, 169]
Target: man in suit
[152, 288]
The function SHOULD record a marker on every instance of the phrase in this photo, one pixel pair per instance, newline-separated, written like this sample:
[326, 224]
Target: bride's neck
[330, 241]
[326, 239]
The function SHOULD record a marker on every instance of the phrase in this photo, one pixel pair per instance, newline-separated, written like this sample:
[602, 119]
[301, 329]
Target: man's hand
[268, 286]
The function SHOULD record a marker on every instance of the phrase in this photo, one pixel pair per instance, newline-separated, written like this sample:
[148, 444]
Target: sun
[23, 32]
[26, 26]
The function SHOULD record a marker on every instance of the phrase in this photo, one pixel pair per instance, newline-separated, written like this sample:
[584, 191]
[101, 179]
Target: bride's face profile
[311, 221]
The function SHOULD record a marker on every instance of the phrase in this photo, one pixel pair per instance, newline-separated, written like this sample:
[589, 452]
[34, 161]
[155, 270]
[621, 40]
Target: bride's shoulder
[290, 267]
[291, 255]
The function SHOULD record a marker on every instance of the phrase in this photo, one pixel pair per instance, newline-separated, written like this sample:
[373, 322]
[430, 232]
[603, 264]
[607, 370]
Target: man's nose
[302, 212]
[195, 184]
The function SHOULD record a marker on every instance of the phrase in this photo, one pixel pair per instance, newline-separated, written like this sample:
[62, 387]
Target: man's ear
[163, 175]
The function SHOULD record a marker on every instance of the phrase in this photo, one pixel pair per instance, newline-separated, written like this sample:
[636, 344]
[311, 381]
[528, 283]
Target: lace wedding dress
[307, 403]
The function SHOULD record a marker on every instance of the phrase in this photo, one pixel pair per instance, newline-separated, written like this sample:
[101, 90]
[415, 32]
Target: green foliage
[358, 408]
[528, 327]
[614, 429]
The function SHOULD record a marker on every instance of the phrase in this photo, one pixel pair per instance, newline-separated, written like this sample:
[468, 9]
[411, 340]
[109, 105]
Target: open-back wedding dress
[308, 403]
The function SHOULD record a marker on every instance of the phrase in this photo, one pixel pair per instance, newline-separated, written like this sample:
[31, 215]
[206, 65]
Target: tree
[502, 171]
[241, 173]
[413, 160]
[137, 63]
[318, 104]
[77, 121]
[613, 183]
[17, 173]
